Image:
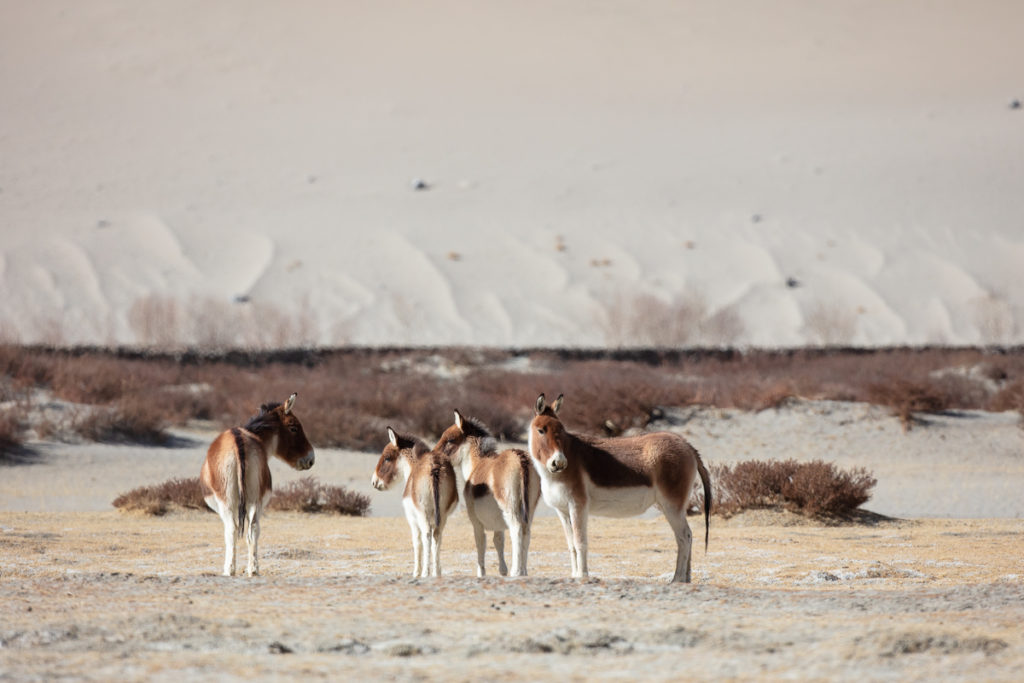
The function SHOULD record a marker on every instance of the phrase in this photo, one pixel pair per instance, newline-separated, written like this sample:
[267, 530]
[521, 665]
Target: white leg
[498, 538]
[435, 552]
[515, 531]
[578, 519]
[230, 522]
[567, 528]
[417, 551]
[252, 538]
[480, 537]
[684, 542]
[526, 547]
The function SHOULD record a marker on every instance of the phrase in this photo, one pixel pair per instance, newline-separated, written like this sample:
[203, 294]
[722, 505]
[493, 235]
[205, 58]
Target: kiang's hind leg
[498, 537]
[227, 516]
[252, 538]
[435, 550]
[676, 516]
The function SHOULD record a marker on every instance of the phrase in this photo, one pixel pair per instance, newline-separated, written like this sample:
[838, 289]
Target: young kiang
[499, 488]
[429, 497]
[615, 477]
[236, 480]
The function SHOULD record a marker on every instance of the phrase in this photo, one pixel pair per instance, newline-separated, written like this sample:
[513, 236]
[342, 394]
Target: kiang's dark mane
[264, 420]
[407, 441]
[472, 426]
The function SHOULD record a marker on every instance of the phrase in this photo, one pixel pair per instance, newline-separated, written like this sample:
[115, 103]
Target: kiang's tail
[240, 453]
[435, 481]
[524, 502]
[706, 481]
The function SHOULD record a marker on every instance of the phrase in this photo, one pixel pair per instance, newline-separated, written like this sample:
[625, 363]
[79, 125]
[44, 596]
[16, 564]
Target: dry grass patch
[348, 396]
[161, 498]
[814, 489]
[303, 495]
[309, 495]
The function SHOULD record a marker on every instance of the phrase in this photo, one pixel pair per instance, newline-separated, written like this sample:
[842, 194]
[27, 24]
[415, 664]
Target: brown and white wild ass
[498, 488]
[235, 478]
[430, 495]
[615, 477]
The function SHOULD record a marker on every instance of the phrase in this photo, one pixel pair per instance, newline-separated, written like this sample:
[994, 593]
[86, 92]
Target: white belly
[628, 501]
[488, 513]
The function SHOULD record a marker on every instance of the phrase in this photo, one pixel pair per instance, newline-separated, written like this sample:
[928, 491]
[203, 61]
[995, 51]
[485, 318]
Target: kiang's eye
[293, 429]
[541, 430]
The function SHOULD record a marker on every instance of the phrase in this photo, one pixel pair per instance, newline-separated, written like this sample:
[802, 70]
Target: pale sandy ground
[89, 593]
[112, 596]
[253, 164]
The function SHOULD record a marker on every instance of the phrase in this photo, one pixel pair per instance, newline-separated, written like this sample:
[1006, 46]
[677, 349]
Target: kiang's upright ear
[539, 407]
[289, 403]
[557, 405]
[458, 418]
[392, 437]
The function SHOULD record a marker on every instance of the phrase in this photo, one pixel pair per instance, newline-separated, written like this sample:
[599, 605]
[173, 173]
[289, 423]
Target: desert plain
[92, 593]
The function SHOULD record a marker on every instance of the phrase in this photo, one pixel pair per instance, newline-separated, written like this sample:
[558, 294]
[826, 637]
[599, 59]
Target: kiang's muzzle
[307, 461]
[557, 462]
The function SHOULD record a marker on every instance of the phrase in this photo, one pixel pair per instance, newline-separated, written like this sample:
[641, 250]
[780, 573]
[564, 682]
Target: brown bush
[11, 434]
[906, 398]
[348, 396]
[160, 498]
[309, 495]
[1010, 397]
[816, 488]
[128, 421]
[303, 495]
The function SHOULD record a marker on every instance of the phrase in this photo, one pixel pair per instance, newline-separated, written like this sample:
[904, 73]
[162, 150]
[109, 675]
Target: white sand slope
[240, 173]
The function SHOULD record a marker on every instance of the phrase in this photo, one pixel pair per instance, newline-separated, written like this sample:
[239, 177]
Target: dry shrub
[906, 398]
[815, 488]
[160, 498]
[1011, 397]
[127, 421]
[348, 396]
[309, 495]
[11, 434]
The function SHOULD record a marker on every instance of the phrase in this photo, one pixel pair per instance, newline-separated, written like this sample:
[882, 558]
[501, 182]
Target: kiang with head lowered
[430, 495]
[235, 478]
[615, 477]
[499, 488]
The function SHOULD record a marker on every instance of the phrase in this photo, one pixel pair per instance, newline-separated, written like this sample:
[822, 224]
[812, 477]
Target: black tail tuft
[525, 466]
[705, 479]
[240, 451]
[435, 476]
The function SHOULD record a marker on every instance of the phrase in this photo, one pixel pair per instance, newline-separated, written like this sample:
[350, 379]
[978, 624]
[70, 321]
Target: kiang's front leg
[578, 521]
[563, 517]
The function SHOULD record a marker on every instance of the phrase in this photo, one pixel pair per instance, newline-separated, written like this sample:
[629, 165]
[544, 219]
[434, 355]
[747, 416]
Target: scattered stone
[279, 648]
[419, 185]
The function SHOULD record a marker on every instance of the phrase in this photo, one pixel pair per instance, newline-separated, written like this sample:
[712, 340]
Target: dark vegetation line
[350, 395]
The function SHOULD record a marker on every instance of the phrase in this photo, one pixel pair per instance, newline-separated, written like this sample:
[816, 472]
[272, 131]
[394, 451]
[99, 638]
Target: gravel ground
[113, 596]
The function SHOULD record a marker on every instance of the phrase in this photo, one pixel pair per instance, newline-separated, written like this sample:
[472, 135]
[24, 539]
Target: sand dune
[255, 166]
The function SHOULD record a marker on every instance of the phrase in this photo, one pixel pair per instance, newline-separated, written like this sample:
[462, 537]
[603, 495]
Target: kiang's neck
[405, 465]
